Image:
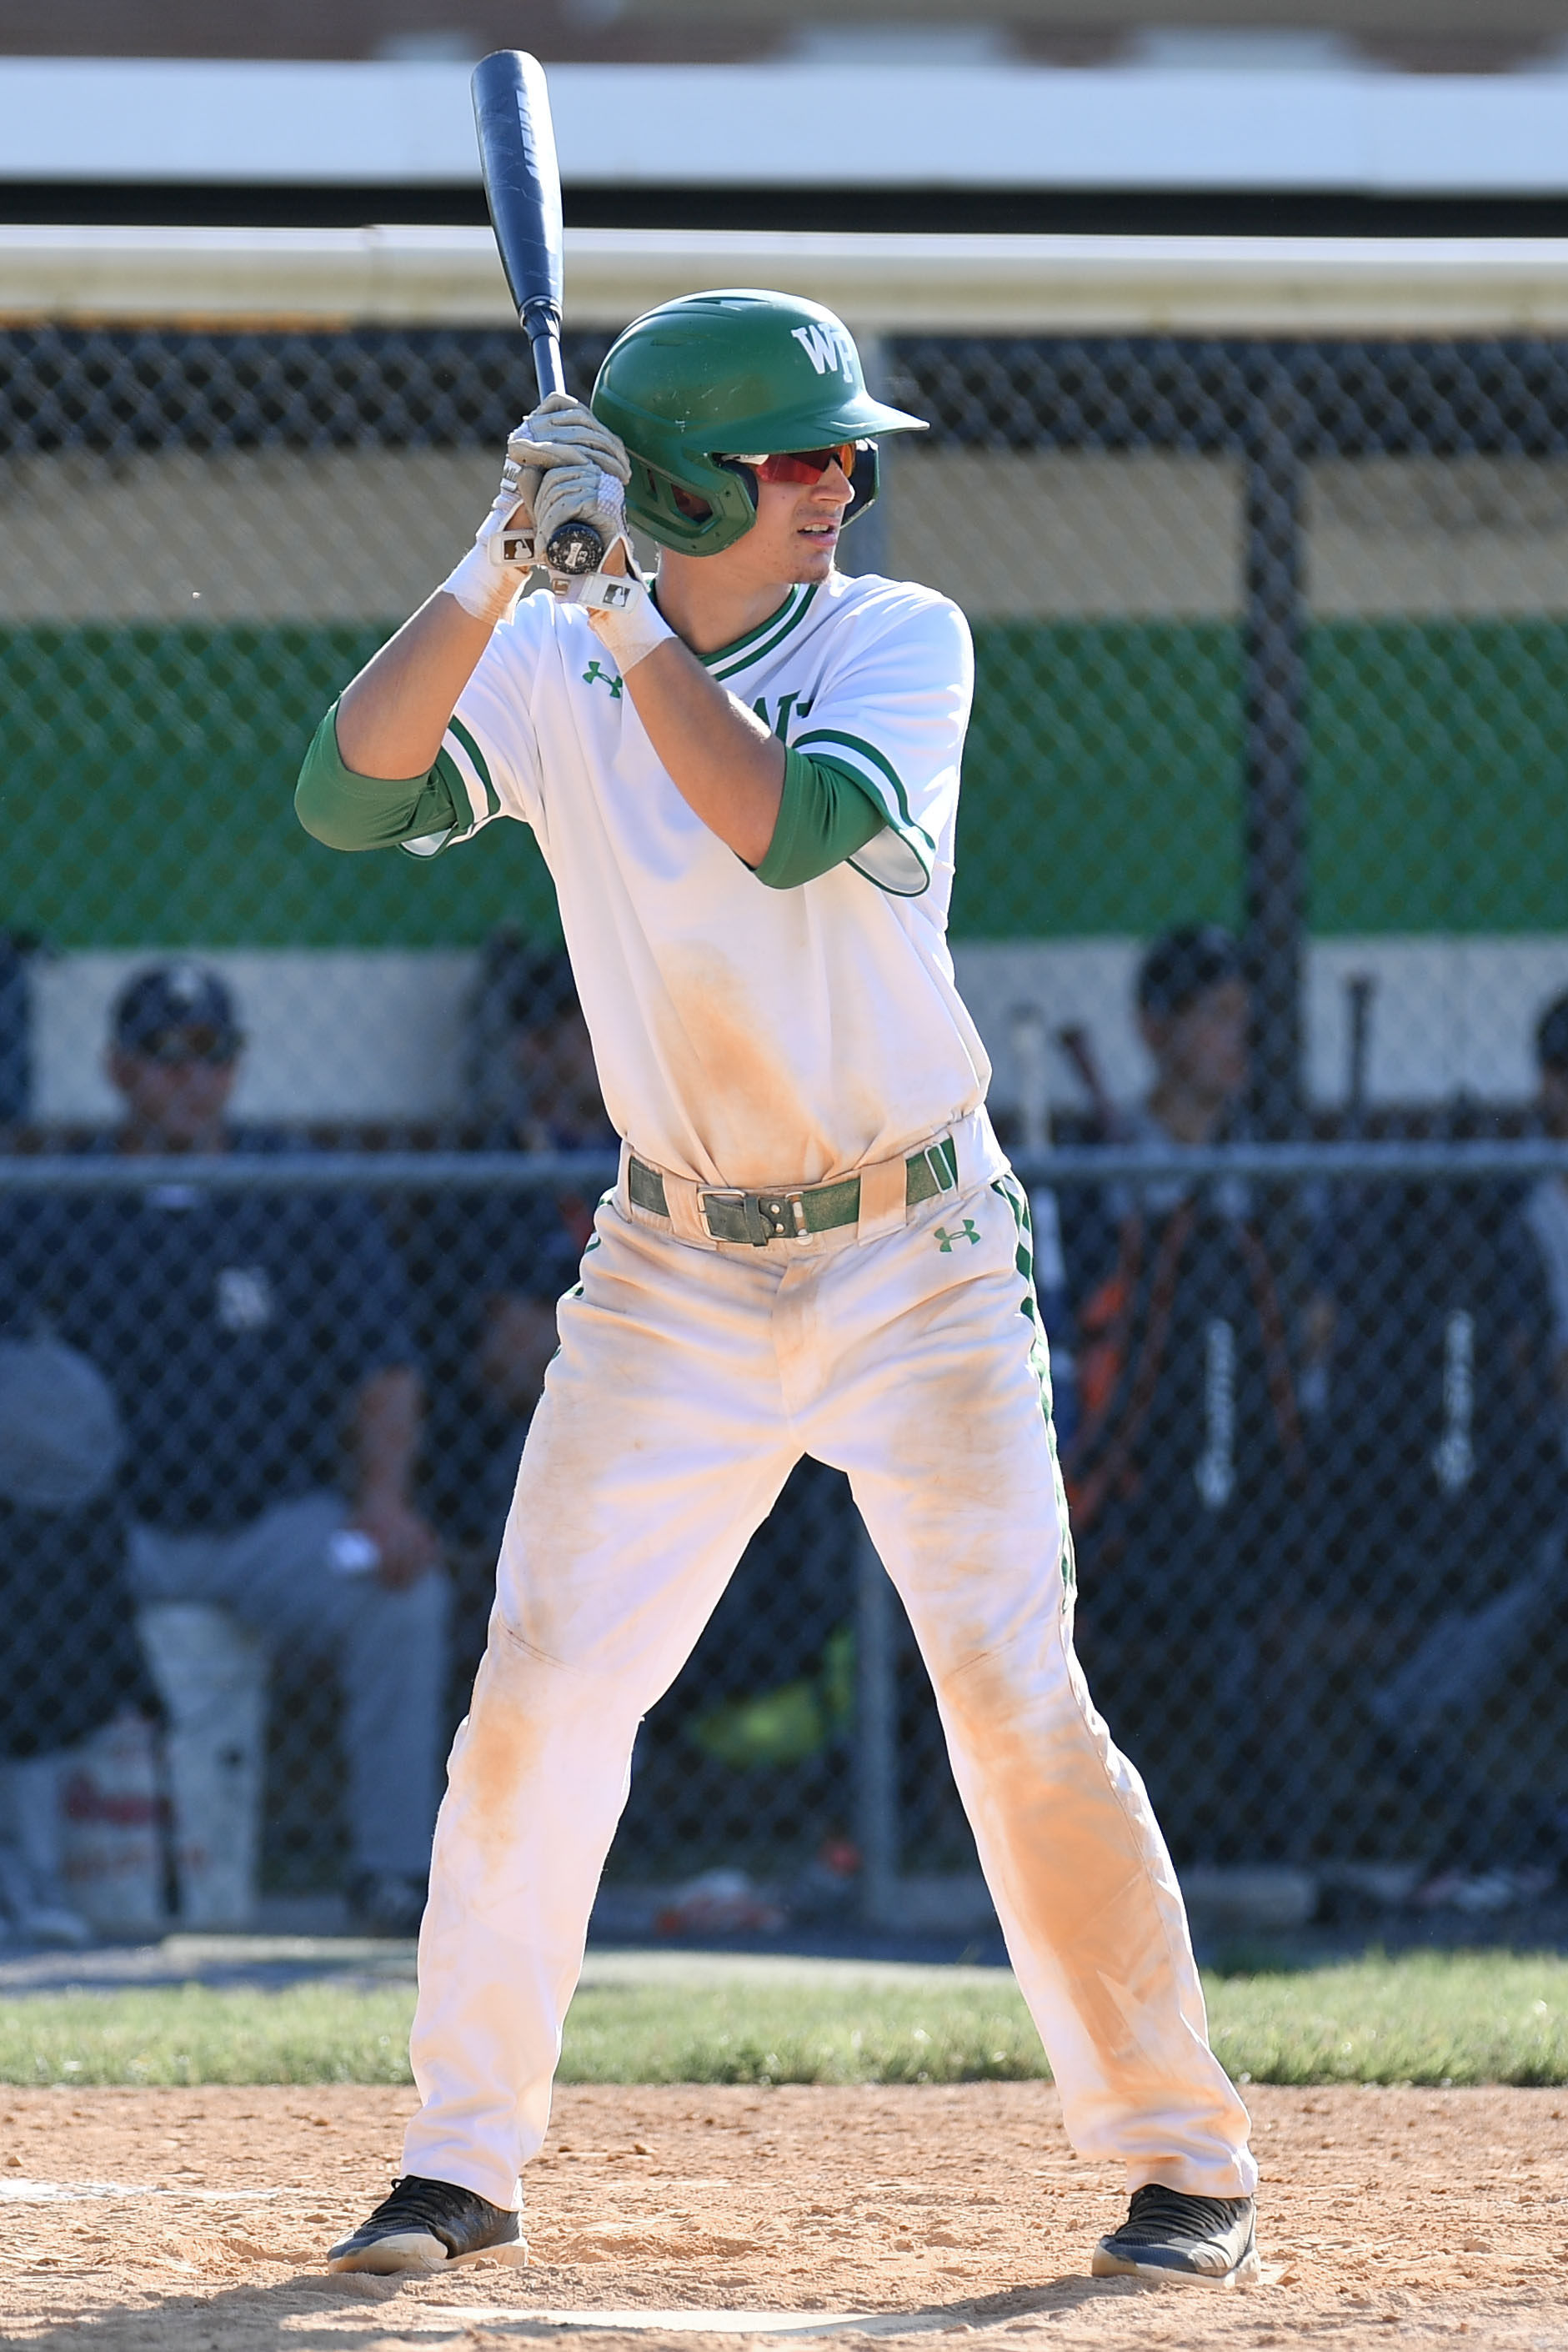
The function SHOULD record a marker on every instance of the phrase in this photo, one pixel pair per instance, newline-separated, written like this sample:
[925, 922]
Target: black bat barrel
[522, 188]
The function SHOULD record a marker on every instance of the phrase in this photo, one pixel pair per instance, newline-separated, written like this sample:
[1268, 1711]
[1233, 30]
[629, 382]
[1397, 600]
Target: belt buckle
[766, 1216]
[773, 1216]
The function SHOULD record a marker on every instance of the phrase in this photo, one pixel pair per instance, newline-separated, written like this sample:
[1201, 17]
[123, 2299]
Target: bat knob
[576, 547]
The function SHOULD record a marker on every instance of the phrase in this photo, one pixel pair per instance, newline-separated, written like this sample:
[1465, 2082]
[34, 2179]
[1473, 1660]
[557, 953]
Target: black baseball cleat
[1198, 2241]
[425, 2225]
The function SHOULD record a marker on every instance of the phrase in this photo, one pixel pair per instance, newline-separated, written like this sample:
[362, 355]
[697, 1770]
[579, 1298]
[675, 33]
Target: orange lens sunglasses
[800, 465]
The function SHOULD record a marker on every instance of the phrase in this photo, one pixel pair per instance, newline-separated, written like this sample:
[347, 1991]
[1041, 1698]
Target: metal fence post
[1276, 741]
[876, 1735]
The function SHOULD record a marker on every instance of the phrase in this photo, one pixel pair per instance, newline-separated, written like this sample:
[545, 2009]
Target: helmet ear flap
[703, 508]
[866, 481]
[745, 475]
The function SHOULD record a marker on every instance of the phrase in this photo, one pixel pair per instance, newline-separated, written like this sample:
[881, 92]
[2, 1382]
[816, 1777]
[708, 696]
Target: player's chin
[815, 551]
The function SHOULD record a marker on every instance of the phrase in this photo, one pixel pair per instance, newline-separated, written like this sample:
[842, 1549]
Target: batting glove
[495, 572]
[565, 432]
[563, 437]
[621, 614]
[579, 493]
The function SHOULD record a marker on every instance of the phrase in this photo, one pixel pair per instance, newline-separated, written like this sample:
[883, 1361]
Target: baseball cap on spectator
[184, 1004]
[1184, 963]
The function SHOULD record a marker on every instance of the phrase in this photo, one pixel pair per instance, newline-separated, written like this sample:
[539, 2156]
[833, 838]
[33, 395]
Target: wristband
[493, 574]
[622, 615]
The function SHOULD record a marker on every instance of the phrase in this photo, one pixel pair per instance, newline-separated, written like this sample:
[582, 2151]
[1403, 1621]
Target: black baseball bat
[522, 188]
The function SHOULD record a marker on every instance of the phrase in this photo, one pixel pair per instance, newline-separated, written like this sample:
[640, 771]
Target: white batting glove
[622, 615]
[495, 572]
[561, 436]
[564, 432]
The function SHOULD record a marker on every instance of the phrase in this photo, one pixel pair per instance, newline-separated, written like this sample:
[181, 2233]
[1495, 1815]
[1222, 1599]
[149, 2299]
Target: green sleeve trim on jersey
[883, 766]
[826, 814]
[900, 856]
[348, 811]
[492, 797]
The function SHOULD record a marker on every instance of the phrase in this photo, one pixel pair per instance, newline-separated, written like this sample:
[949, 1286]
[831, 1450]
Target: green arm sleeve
[825, 815]
[350, 812]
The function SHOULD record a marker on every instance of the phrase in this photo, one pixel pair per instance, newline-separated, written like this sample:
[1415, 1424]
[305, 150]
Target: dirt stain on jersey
[750, 1119]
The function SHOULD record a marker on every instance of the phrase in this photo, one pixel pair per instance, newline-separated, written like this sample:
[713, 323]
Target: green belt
[763, 1217]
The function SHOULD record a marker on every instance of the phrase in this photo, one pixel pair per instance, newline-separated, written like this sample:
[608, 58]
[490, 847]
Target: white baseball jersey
[748, 1037]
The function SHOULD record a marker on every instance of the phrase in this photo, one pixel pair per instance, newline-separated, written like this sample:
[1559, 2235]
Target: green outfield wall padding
[147, 796]
[147, 774]
[1439, 776]
[1102, 782]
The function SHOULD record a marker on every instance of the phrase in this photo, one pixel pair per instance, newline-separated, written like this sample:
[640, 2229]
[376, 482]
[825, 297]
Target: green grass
[827, 2033]
[320, 2032]
[1439, 2018]
[1432, 2018]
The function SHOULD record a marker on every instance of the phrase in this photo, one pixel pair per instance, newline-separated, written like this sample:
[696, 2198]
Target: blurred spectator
[17, 953]
[1439, 1569]
[1546, 1208]
[490, 1266]
[1450, 1376]
[257, 1342]
[69, 1660]
[1186, 1468]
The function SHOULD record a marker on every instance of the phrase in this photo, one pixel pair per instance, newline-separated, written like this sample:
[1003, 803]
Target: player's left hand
[408, 1545]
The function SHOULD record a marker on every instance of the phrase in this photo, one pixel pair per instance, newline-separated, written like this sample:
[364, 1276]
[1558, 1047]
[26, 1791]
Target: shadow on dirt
[278, 2318]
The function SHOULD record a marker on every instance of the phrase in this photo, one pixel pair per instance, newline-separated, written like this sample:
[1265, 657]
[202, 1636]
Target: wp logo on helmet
[829, 349]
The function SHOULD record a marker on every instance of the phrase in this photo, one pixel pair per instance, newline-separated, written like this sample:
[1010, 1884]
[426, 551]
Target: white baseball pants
[689, 1380]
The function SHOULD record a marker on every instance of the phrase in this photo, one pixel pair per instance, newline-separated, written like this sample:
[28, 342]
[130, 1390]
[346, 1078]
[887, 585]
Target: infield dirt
[1425, 2215]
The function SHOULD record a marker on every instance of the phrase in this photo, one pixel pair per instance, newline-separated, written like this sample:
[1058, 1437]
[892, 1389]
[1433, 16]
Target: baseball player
[745, 778]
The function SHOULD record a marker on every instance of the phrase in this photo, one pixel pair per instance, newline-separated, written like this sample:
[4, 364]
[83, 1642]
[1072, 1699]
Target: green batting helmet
[695, 383]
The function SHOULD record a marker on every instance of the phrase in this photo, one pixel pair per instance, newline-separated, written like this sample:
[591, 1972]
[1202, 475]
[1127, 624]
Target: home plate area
[189, 2219]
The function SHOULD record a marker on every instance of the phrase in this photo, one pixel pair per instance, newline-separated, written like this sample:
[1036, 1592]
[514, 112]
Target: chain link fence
[1263, 909]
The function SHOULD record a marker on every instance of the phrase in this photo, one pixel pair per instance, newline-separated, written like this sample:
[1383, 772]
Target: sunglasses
[800, 465]
[173, 1047]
